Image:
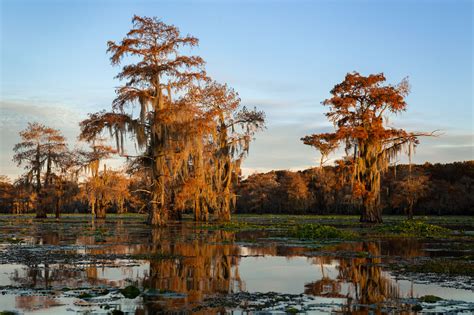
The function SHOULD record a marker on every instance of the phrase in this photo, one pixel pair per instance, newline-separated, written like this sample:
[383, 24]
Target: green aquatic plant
[130, 292]
[319, 231]
[232, 226]
[455, 267]
[417, 308]
[429, 299]
[85, 296]
[13, 240]
[416, 228]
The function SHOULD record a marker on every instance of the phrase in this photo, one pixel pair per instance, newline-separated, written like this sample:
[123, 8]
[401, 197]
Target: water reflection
[201, 263]
[369, 283]
[35, 302]
[204, 266]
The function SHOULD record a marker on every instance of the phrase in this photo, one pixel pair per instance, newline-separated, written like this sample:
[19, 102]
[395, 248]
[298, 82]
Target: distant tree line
[428, 189]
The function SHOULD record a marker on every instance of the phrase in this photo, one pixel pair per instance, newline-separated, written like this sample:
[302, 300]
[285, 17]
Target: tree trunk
[47, 177]
[40, 210]
[176, 215]
[38, 169]
[410, 210]
[100, 211]
[368, 175]
[370, 213]
[158, 214]
[40, 206]
[201, 211]
[224, 212]
[57, 208]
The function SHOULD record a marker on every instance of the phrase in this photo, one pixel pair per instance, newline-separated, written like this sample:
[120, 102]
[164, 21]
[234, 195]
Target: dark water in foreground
[74, 266]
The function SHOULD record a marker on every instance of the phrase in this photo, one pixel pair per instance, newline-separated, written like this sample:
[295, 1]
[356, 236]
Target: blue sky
[281, 56]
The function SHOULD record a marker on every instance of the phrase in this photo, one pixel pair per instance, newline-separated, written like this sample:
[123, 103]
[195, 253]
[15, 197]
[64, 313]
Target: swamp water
[74, 266]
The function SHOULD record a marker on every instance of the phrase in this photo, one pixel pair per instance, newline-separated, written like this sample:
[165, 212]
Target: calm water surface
[182, 268]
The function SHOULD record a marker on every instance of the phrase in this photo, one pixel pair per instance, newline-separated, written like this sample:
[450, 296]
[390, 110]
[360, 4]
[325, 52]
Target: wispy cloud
[277, 147]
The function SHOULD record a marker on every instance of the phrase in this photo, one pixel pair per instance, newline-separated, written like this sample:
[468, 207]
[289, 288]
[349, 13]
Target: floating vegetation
[232, 226]
[430, 299]
[417, 308]
[416, 228]
[130, 292]
[93, 276]
[85, 296]
[13, 240]
[451, 267]
[319, 231]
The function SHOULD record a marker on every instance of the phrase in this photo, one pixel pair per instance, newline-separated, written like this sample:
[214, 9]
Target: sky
[283, 57]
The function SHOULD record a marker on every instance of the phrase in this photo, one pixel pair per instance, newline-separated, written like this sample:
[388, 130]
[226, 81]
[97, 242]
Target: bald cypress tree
[359, 109]
[182, 131]
[41, 148]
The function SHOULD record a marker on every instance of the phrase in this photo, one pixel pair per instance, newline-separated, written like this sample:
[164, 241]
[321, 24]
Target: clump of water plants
[13, 240]
[7, 313]
[453, 267]
[232, 226]
[292, 310]
[429, 299]
[319, 231]
[417, 308]
[130, 292]
[416, 228]
[85, 296]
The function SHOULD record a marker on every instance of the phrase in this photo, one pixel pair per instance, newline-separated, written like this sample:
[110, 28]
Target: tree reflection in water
[204, 263]
[367, 283]
[325, 287]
